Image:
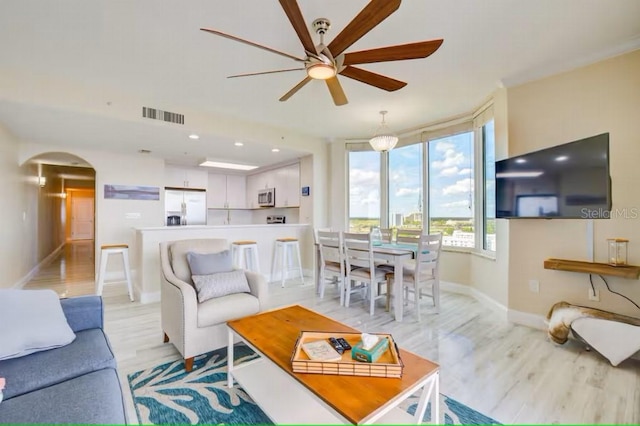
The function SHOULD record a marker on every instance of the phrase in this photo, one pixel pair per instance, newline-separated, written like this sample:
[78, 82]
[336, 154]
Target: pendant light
[383, 140]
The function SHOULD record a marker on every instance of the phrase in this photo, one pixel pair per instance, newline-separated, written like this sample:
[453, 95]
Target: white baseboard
[525, 318]
[517, 317]
[24, 280]
[476, 294]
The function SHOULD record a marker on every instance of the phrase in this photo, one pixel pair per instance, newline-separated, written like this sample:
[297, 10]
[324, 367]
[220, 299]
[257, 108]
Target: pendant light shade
[383, 140]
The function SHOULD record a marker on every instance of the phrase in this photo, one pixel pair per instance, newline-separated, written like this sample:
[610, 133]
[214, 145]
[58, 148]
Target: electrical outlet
[534, 286]
[595, 296]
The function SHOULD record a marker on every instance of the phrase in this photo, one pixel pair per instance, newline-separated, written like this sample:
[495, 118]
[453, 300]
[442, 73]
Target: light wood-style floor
[509, 372]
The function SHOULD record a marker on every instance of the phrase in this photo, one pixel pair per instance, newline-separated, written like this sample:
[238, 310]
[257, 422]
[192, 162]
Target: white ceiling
[154, 52]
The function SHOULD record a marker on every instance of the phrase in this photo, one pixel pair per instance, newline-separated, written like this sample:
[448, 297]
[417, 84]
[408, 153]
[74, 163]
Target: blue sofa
[76, 383]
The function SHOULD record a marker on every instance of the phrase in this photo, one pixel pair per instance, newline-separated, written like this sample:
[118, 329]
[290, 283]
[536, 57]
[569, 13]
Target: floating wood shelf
[628, 271]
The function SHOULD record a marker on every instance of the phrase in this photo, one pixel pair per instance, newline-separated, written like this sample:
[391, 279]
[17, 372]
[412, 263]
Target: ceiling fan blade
[295, 89]
[399, 52]
[294, 14]
[249, 74]
[386, 83]
[374, 13]
[339, 98]
[250, 43]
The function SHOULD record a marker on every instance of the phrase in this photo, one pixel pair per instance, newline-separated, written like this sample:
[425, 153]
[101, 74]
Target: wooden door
[82, 215]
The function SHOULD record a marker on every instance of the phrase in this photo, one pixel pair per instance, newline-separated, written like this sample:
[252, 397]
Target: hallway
[70, 273]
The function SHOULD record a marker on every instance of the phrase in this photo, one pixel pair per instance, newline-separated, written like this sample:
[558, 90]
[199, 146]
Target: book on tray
[321, 350]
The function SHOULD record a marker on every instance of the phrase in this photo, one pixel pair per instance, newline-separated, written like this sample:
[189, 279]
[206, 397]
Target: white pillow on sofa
[31, 321]
[220, 284]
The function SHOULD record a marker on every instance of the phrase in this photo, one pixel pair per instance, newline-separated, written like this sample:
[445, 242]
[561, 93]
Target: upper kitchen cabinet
[227, 191]
[184, 177]
[253, 185]
[236, 192]
[288, 186]
[285, 181]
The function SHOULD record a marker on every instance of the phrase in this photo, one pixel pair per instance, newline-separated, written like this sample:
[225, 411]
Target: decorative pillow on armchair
[31, 321]
[220, 284]
[209, 263]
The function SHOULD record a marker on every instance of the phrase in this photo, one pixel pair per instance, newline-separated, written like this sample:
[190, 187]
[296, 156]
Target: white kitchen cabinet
[253, 185]
[285, 180]
[217, 191]
[288, 186]
[268, 179]
[236, 190]
[184, 177]
[227, 192]
[257, 182]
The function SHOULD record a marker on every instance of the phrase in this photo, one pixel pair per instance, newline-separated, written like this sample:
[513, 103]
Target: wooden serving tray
[388, 365]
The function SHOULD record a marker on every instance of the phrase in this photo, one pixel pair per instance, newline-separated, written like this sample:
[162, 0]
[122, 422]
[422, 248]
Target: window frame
[470, 123]
[482, 116]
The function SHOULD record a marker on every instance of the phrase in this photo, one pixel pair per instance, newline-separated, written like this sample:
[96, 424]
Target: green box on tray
[370, 355]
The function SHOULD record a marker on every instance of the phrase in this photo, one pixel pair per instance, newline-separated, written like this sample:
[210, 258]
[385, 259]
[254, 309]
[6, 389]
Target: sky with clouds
[451, 179]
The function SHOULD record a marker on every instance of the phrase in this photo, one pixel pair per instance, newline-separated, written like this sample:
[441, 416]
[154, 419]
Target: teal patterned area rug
[167, 394]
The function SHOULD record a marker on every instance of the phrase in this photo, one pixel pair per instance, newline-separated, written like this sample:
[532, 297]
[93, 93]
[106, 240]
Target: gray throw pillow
[31, 321]
[209, 263]
[220, 284]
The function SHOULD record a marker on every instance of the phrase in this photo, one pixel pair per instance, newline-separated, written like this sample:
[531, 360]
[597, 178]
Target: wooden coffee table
[296, 398]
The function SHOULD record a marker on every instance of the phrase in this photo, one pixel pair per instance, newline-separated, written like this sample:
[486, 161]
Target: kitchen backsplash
[248, 217]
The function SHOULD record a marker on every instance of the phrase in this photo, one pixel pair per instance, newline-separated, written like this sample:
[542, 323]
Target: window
[444, 183]
[451, 182]
[405, 187]
[364, 190]
[489, 208]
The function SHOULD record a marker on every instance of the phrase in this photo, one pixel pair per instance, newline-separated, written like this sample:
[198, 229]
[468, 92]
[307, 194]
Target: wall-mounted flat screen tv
[569, 181]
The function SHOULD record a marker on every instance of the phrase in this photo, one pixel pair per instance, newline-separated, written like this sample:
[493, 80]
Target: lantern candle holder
[618, 251]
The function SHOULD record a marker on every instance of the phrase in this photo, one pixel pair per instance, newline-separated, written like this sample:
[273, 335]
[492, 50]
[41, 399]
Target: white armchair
[195, 328]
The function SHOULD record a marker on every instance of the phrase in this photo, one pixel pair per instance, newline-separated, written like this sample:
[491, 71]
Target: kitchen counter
[146, 253]
[189, 227]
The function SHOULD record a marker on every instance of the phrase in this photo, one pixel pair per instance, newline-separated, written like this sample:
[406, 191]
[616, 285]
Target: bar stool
[105, 251]
[245, 255]
[283, 254]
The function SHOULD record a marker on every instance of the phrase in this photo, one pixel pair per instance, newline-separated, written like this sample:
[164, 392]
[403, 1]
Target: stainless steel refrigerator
[190, 205]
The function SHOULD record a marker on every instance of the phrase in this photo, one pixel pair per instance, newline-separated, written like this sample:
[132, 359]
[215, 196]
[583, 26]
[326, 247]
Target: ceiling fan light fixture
[321, 71]
[383, 140]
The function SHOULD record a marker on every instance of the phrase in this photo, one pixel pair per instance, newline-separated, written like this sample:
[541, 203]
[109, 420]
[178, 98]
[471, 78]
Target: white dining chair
[332, 261]
[360, 268]
[421, 276]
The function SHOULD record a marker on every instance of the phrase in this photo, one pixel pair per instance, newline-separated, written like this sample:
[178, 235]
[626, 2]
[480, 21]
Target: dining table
[395, 254]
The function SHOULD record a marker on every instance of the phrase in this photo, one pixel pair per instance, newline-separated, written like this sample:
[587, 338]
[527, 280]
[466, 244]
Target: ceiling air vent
[158, 114]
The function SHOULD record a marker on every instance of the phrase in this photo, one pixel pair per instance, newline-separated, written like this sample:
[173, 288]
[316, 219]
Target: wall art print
[131, 192]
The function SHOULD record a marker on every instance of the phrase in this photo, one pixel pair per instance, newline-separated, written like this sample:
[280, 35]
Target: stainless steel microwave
[267, 197]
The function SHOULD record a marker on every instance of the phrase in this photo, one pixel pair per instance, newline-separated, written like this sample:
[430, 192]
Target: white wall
[18, 195]
[603, 97]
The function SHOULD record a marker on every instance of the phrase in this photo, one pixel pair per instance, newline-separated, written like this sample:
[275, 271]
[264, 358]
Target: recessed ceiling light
[194, 136]
[521, 160]
[562, 158]
[222, 165]
[238, 144]
[275, 150]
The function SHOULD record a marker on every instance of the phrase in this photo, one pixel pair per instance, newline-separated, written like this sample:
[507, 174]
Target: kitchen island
[145, 255]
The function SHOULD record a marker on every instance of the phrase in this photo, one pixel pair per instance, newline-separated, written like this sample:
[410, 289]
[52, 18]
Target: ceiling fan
[325, 62]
